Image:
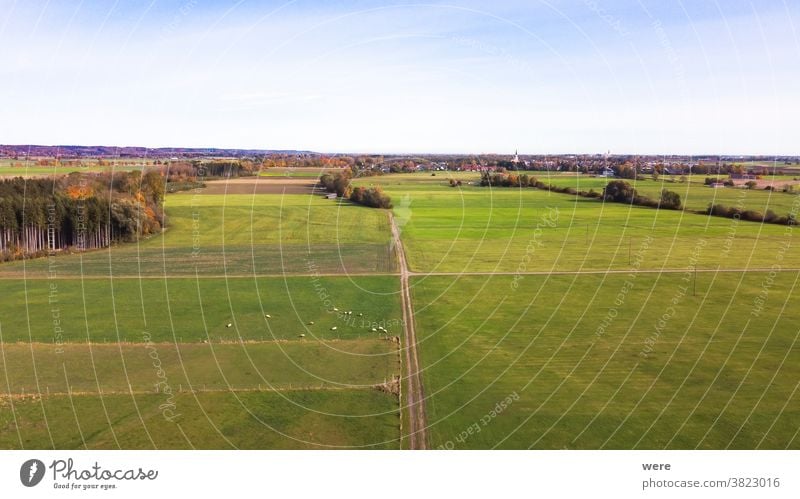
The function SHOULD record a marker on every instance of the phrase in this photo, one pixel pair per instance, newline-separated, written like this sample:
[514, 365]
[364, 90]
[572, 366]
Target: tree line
[78, 211]
[769, 217]
[617, 191]
[340, 183]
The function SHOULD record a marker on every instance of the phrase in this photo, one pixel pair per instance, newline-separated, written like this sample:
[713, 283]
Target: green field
[240, 234]
[43, 171]
[113, 368]
[220, 420]
[716, 377]
[192, 310]
[695, 195]
[81, 334]
[277, 386]
[555, 322]
[723, 367]
[291, 172]
[477, 229]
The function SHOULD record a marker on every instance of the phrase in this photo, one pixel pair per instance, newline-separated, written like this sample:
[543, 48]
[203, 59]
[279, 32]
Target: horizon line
[395, 153]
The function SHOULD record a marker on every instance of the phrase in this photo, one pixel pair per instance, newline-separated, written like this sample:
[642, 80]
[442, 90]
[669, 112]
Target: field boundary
[409, 273]
[260, 389]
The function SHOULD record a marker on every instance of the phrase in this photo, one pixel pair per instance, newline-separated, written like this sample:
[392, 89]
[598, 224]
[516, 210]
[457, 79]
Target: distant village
[603, 164]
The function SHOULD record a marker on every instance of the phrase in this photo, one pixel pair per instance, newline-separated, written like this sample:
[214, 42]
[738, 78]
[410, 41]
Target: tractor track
[414, 395]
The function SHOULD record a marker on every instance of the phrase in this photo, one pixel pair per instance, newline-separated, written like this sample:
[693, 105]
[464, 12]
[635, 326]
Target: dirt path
[414, 394]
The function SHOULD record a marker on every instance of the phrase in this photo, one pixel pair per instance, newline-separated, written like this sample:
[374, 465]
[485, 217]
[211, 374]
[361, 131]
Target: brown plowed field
[259, 185]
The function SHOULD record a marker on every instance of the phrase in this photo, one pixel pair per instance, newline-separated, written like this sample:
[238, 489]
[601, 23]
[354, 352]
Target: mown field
[234, 318]
[478, 229]
[694, 194]
[585, 372]
[573, 357]
[293, 394]
[598, 360]
[119, 368]
[34, 170]
[218, 420]
[293, 172]
[241, 235]
[192, 310]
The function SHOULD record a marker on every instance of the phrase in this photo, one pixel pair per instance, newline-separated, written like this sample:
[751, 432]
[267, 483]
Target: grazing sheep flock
[373, 328]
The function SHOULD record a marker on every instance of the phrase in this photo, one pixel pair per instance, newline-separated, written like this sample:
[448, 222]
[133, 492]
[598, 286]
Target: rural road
[415, 395]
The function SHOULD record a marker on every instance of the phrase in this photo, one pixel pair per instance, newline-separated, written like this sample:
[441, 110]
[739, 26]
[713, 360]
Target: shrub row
[770, 217]
[184, 185]
[712, 180]
[617, 191]
[374, 197]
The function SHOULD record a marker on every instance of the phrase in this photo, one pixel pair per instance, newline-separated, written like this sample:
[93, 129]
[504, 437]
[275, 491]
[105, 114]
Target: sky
[542, 77]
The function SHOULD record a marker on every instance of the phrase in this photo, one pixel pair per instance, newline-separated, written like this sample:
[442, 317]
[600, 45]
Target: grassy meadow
[217, 420]
[120, 368]
[585, 372]
[186, 310]
[598, 360]
[310, 173]
[238, 308]
[219, 235]
[573, 357]
[21, 168]
[694, 194]
[478, 229]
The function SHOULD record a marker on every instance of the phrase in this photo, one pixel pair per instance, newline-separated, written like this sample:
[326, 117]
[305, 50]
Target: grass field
[81, 334]
[695, 195]
[44, 171]
[571, 360]
[113, 368]
[310, 173]
[220, 420]
[241, 235]
[314, 383]
[562, 359]
[477, 229]
[598, 360]
[192, 310]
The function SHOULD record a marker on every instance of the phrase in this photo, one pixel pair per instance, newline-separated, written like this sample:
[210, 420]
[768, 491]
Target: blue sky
[558, 76]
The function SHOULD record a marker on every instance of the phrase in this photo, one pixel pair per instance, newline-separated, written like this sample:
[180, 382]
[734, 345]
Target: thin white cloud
[552, 77]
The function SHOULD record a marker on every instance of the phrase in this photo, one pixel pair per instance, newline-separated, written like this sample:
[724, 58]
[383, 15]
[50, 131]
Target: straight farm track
[415, 394]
